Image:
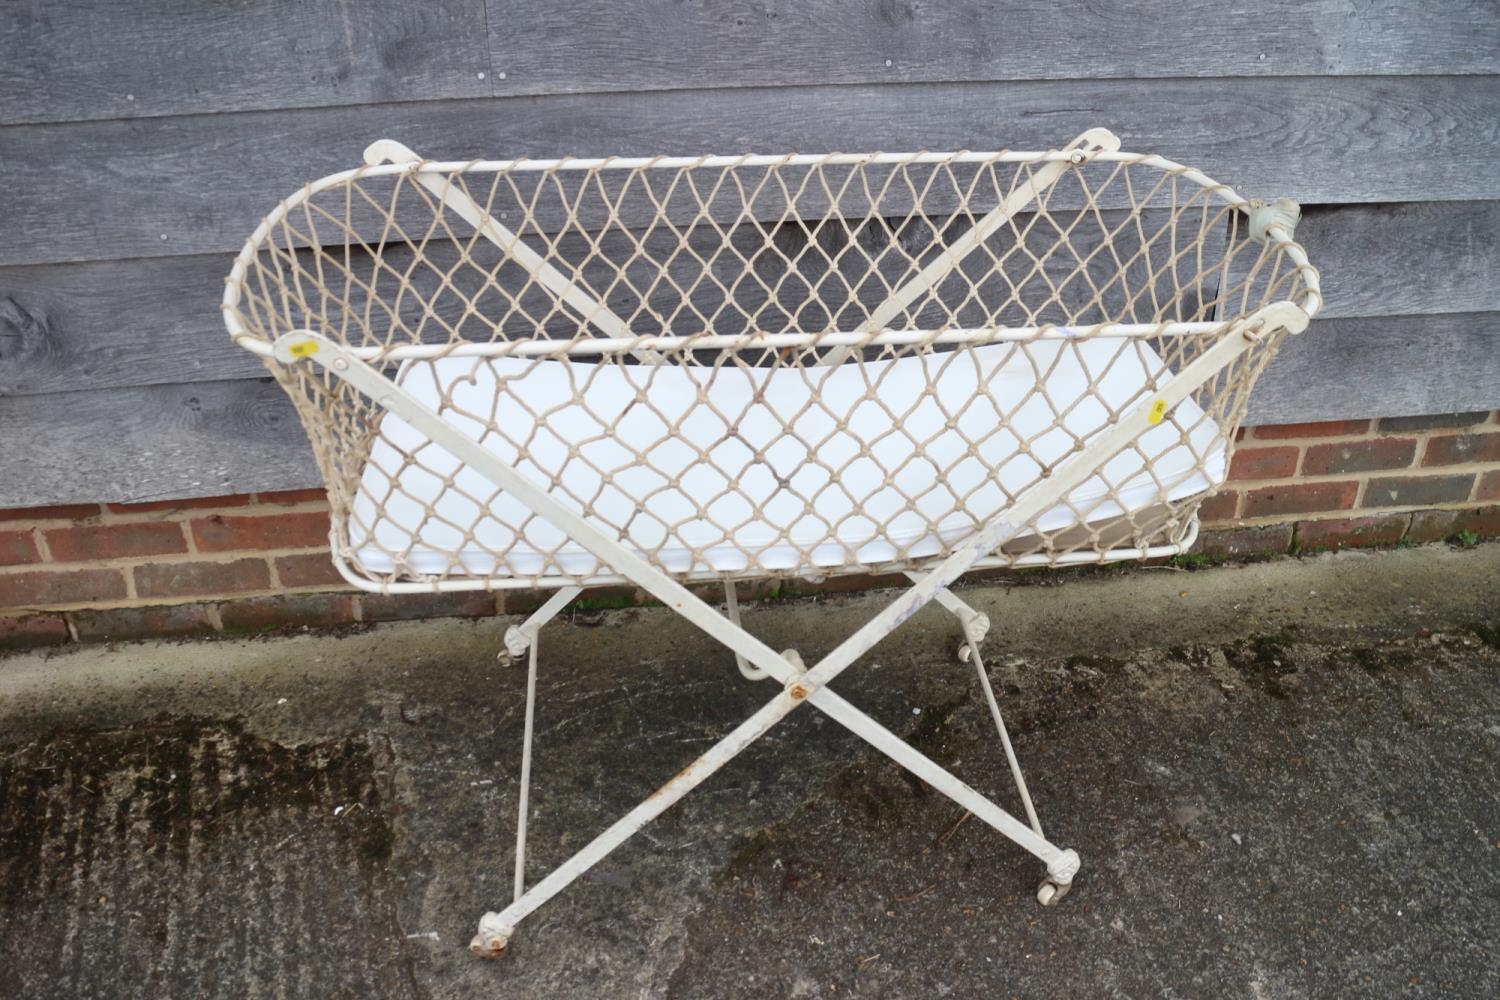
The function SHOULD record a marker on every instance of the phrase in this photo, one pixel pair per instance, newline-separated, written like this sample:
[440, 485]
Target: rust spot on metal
[679, 776]
[492, 949]
[798, 692]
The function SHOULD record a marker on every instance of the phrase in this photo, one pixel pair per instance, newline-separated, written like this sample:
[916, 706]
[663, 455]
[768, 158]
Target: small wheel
[489, 945]
[1050, 893]
[965, 653]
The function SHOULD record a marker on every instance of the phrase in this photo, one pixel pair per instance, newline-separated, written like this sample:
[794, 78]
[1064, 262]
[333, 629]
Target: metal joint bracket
[1283, 212]
[1083, 154]
[798, 687]
[1090, 144]
[517, 641]
[493, 937]
[976, 624]
[1063, 867]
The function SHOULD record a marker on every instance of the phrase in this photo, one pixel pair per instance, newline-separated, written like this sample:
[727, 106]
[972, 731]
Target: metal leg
[732, 611]
[1010, 753]
[523, 640]
[975, 624]
[495, 929]
[519, 638]
[525, 796]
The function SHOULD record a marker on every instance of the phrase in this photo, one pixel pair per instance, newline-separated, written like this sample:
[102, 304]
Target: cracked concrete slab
[1280, 778]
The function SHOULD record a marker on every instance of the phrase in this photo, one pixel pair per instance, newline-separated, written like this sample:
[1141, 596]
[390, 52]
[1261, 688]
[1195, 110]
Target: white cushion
[660, 446]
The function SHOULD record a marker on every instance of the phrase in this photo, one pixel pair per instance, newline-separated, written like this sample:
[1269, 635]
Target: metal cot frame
[798, 682]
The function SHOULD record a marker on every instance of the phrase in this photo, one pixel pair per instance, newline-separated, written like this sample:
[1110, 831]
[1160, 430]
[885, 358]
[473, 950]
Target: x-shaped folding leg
[799, 684]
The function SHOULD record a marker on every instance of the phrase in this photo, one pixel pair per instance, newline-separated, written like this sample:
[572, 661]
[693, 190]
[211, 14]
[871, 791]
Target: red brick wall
[1357, 483]
[243, 563]
[183, 567]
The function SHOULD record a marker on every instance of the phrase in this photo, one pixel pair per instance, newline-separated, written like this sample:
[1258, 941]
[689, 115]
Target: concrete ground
[1281, 778]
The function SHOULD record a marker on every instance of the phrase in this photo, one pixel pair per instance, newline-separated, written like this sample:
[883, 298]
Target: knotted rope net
[756, 366]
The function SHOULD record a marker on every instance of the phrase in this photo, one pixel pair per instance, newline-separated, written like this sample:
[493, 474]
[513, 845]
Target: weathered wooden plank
[1347, 368]
[1433, 257]
[68, 327]
[600, 45]
[157, 442]
[541, 205]
[78, 60]
[214, 438]
[199, 184]
[106, 324]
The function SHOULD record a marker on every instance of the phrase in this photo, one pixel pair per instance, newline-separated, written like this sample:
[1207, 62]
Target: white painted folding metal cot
[666, 371]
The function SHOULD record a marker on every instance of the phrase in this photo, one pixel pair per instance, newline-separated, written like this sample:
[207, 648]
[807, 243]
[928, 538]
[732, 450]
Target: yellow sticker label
[1158, 412]
[308, 347]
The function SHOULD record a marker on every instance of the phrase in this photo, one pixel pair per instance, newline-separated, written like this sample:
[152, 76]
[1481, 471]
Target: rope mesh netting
[754, 367]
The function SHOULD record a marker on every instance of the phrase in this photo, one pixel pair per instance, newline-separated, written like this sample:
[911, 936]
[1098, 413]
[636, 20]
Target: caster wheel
[965, 653]
[1049, 893]
[488, 945]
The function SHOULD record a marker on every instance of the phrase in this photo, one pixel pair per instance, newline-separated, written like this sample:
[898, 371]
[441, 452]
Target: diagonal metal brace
[452, 195]
[1080, 150]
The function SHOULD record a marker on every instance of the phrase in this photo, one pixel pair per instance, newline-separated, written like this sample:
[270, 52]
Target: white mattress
[776, 512]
